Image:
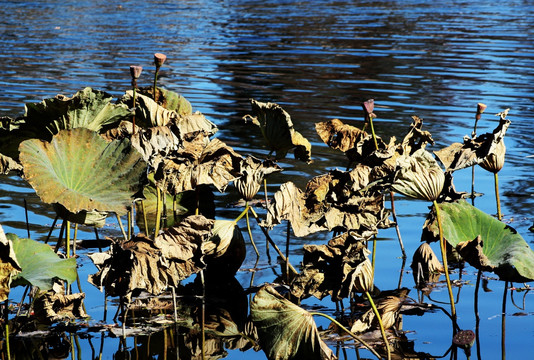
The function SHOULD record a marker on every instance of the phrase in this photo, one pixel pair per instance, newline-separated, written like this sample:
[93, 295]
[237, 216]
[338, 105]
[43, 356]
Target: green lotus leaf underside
[485, 242]
[40, 265]
[81, 171]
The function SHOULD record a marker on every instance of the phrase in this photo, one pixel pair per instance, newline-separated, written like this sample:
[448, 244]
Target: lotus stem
[134, 85]
[267, 207]
[382, 330]
[243, 213]
[60, 239]
[158, 213]
[97, 239]
[272, 242]
[51, 229]
[445, 263]
[373, 131]
[22, 299]
[27, 222]
[250, 232]
[74, 240]
[397, 229]
[287, 251]
[67, 236]
[203, 315]
[7, 341]
[373, 257]
[503, 323]
[497, 198]
[120, 225]
[144, 216]
[351, 334]
[129, 223]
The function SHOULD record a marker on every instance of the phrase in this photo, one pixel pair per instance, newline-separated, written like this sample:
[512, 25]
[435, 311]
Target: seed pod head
[135, 71]
[159, 59]
[480, 108]
[494, 162]
[368, 106]
[464, 339]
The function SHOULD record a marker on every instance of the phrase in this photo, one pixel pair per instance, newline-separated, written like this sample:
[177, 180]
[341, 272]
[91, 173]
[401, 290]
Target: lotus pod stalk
[368, 107]
[159, 59]
[493, 163]
[480, 110]
[135, 72]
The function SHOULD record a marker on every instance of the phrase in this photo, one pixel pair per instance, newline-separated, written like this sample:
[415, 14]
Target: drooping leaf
[254, 171]
[156, 143]
[277, 129]
[485, 242]
[7, 164]
[338, 135]
[494, 162]
[425, 264]
[9, 265]
[389, 309]
[52, 307]
[285, 330]
[40, 265]
[473, 151]
[81, 171]
[200, 162]
[88, 218]
[420, 176]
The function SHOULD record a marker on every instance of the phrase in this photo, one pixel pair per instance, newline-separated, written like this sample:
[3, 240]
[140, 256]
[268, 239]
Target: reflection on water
[319, 60]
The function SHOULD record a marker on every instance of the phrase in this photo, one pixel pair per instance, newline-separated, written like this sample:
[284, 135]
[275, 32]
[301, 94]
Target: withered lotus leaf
[339, 136]
[143, 264]
[9, 265]
[494, 162]
[156, 142]
[51, 307]
[473, 151]
[416, 138]
[285, 330]
[200, 161]
[485, 242]
[419, 177]
[425, 264]
[170, 100]
[333, 269]
[253, 172]
[225, 249]
[277, 129]
[7, 164]
[389, 309]
[82, 172]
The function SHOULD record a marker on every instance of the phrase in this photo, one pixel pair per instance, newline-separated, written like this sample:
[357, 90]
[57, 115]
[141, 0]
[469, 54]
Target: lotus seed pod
[480, 108]
[495, 161]
[368, 106]
[159, 59]
[464, 339]
[135, 71]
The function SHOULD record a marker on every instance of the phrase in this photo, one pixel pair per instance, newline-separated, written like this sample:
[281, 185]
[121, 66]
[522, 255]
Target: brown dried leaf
[389, 309]
[156, 143]
[416, 138]
[254, 171]
[7, 164]
[340, 136]
[52, 307]
[9, 265]
[425, 264]
[200, 161]
[494, 162]
[473, 151]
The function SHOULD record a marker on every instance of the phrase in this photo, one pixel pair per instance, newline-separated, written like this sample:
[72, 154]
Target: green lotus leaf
[88, 218]
[81, 171]
[277, 129]
[285, 330]
[88, 108]
[485, 242]
[40, 265]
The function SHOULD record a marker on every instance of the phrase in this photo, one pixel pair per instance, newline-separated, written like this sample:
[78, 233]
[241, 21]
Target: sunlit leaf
[285, 330]
[277, 129]
[170, 100]
[494, 162]
[89, 218]
[420, 176]
[7, 164]
[51, 307]
[254, 171]
[82, 172]
[338, 135]
[425, 264]
[40, 265]
[389, 309]
[485, 242]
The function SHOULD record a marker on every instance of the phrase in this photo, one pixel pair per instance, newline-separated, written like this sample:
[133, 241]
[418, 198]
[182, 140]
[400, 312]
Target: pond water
[319, 60]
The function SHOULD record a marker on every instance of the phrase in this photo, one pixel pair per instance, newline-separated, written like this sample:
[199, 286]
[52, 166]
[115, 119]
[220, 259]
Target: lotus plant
[135, 72]
[159, 59]
[480, 110]
[368, 107]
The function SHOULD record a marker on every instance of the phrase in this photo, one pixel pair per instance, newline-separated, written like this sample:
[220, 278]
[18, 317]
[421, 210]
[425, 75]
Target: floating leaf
[277, 129]
[52, 307]
[389, 309]
[40, 265]
[81, 171]
[285, 330]
[485, 242]
[420, 176]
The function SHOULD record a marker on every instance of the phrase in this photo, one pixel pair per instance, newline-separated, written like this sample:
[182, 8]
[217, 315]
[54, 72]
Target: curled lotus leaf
[7, 164]
[485, 242]
[285, 330]
[225, 249]
[170, 100]
[52, 307]
[253, 172]
[339, 136]
[81, 171]
[333, 269]
[389, 309]
[494, 162]
[9, 265]
[425, 264]
[40, 265]
[473, 150]
[277, 129]
[152, 266]
[416, 138]
[199, 162]
[88, 218]
[419, 177]
[156, 143]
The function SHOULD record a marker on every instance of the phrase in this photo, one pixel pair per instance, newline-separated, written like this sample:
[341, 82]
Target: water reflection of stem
[78, 347]
[503, 323]
[174, 304]
[379, 318]
[51, 229]
[394, 214]
[401, 272]
[477, 316]
[273, 244]
[7, 336]
[369, 347]
[445, 263]
[497, 198]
